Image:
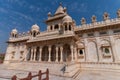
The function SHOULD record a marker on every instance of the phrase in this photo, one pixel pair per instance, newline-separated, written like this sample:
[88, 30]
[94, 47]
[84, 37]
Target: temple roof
[60, 10]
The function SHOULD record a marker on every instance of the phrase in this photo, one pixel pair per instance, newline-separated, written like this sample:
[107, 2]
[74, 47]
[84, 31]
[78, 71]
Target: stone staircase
[54, 68]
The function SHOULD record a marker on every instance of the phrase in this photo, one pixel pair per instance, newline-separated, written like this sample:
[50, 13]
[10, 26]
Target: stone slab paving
[98, 75]
[6, 74]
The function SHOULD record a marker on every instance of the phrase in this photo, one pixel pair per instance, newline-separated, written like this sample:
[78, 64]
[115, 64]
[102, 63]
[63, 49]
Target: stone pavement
[6, 74]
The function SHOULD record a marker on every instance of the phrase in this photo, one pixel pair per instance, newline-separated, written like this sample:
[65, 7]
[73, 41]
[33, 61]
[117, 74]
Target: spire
[60, 10]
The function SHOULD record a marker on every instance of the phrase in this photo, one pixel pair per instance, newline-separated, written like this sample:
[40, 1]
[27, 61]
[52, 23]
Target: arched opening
[37, 54]
[70, 27]
[65, 27]
[34, 34]
[53, 53]
[66, 53]
[50, 27]
[81, 52]
[56, 26]
[45, 53]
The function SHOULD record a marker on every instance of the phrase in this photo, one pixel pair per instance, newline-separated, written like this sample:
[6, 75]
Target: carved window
[107, 51]
[81, 52]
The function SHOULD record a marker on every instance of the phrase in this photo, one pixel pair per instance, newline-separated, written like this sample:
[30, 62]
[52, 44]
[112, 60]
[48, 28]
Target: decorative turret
[83, 21]
[93, 19]
[14, 33]
[35, 30]
[67, 23]
[67, 19]
[105, 16]
[49, 14]
[118, 13]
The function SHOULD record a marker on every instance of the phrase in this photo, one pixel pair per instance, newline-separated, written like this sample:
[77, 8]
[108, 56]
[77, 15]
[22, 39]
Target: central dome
[67, 19]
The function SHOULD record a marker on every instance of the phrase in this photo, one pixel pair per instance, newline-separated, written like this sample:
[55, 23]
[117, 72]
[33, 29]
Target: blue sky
[22, 14]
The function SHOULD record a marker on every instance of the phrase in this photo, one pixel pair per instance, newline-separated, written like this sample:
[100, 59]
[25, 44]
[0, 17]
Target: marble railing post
[61, 54]
[49, 49]
[56, 53]
[40, 56]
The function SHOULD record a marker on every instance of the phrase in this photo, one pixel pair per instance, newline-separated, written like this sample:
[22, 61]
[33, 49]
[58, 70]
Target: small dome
[14, 31]
[35, 27]
[67, 18]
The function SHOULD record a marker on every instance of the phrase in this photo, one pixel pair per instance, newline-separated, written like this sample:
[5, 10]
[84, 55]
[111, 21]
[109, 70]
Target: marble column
[75, 53]
[35, 54]
[53, 27]
[71, 52]
[67, 26]
[56, 54]
[49, 49]
[59, 26]
[26, 53]
[31, 57]
[40, 56]
[61, 54]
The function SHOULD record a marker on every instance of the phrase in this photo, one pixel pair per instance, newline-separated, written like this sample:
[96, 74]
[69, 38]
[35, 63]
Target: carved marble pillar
[61, 54]
[26, 53]
[56, 54]
[49, 49]
[59, 26]
[53, 27]
[35, 54]
[75, 53]
[67, 26]
[31, 57]
[40, 56]
[72, 52]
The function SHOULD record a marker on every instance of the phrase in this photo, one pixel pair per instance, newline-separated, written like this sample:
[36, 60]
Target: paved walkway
[6, 74]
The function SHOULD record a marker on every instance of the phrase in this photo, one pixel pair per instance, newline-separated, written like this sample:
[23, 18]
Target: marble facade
[84, 46]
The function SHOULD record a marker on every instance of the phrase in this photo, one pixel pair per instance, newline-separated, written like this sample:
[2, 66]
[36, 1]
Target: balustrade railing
[30, 76]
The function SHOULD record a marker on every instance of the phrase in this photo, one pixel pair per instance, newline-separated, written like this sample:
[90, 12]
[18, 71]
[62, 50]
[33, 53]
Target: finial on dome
[60, 3]
[49, 14]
